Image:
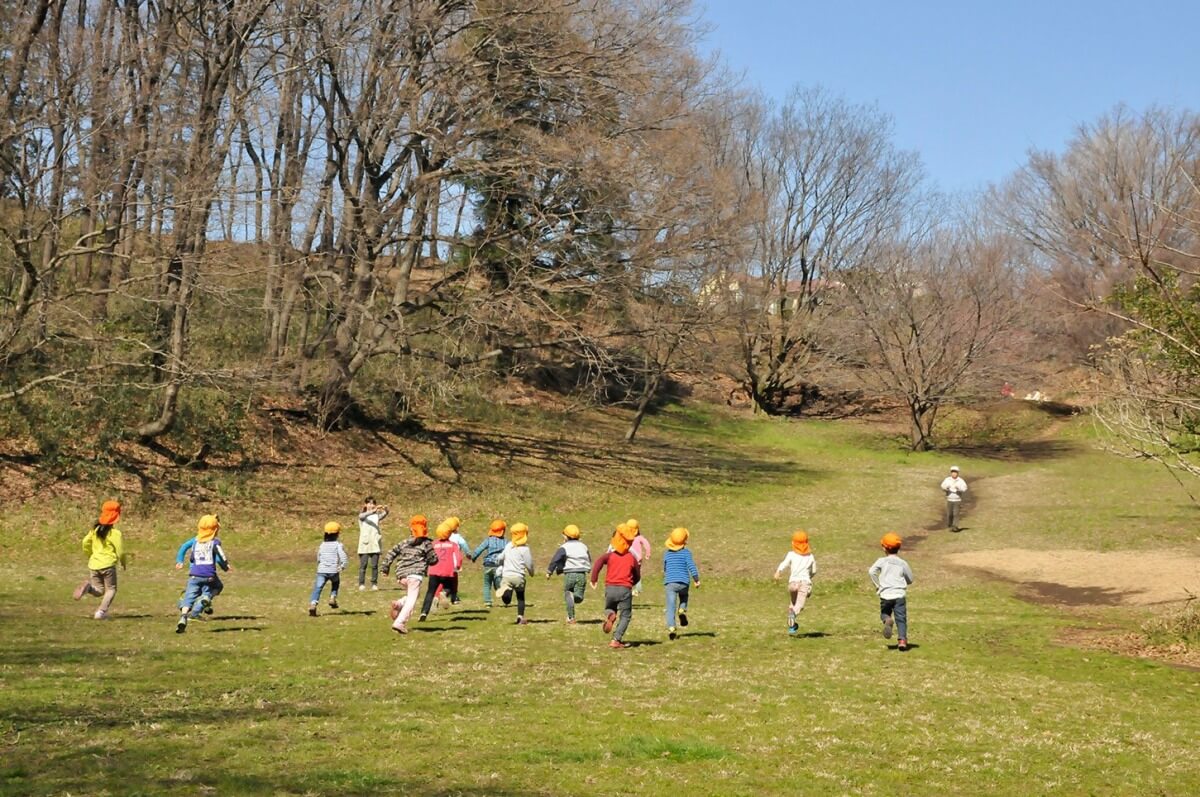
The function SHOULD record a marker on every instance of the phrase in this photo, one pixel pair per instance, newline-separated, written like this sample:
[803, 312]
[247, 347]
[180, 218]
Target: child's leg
[435, 583]
[683, 598]
[216, 586]
[191, 594]
[410, 600]
[335, 581]
[900, 612]
[95, 584]
[374, 557]
[109, 579]
[488, 587]
[363, 558]
[318, 588]
[800, 591]
[520, 590]
[452, 587]
[580, 586]
[624, 612]
[672, 600]
[569, 596]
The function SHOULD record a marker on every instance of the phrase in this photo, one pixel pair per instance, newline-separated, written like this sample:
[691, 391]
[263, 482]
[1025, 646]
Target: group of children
[507, 565]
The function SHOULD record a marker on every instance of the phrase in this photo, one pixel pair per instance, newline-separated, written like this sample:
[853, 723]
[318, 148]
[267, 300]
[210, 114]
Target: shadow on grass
[645, 643]
[810, 635]
[237, 628]
[1025, 451]
[589, 622]
[359, 613]
[911, 646]
[131, 616]
[224, 617]
[1051, 592]
[438, 629]
[700, 634]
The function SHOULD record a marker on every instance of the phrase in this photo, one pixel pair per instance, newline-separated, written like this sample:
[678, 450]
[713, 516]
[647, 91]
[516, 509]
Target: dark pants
[898, 609]
[952, 512]
[619, 600]
[450, 584]
[363, 560]
[574, 588]
[519, 591]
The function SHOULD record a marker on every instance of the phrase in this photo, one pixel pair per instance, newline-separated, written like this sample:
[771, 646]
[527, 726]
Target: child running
[573, 560]
[413, 558]
[516, 562]
[215, 586]
[370, 541]
[490, 549]
[205, 556]
[639, 546]
[465, 547]
[449, 559]
[801, 567]
[891, 576]
[622, 571]
[679, 572]
[105, 549]
[331, 561]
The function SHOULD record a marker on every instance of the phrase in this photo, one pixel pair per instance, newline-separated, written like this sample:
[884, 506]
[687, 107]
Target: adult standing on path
[954, 487]
[370, 541]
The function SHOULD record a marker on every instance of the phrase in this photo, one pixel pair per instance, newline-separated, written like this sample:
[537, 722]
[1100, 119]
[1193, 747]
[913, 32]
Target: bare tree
[832, 189]
[930, 316]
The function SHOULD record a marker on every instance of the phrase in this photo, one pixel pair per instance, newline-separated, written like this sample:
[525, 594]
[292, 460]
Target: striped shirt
[679, 567]
[331, 557]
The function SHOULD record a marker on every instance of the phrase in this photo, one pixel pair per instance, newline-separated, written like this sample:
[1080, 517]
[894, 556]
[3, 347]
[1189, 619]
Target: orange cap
[619, 543]
[800, 543]
[443, 531]
[891, 542]
[110, 513]
[497, 528]
[419, 525]
[627, 531]
[678, 539]
[520, 534]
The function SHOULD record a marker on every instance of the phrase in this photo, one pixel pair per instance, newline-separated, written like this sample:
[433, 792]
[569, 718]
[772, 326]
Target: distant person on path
[370, 541]
[105, 550]
[954, 487]
[205, 557]
[413, 558]
[639, 546]
[490, 549]
[331, 561]
[516, 562]
[574, 561]
[891, 576]
[621, 573]
[679, 573]
[441, 574]
[801, 567]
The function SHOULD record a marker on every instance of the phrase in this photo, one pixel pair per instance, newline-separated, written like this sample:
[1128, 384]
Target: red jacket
[623, 569]
[449, 559]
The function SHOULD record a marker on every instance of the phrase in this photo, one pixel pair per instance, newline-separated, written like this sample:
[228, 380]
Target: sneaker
[100, 615]
[362, 587]
[456, 601]
[793, 629]
[375, 588]
[181, 626]
[570, 621]
[394, 611]
[683, 621]
[522, 621]
[80, 591]
[617, 644]
[400, 629]
[487, 605]
[888, 623]
[333, 604]
[312, 610]
[672, 634]
[421, 619]
[610, 620]
[208, 608]
[902, 646]
[205, 605]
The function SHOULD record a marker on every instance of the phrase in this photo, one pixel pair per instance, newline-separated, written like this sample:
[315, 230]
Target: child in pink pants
[802, 567]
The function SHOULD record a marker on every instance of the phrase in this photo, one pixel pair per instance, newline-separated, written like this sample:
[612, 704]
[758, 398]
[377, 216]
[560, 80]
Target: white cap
[954, 469]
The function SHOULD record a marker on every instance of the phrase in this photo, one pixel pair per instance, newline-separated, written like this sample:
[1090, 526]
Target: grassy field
[264, 699]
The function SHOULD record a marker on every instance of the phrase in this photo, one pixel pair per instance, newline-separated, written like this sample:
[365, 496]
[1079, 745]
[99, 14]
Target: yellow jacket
[104, 553]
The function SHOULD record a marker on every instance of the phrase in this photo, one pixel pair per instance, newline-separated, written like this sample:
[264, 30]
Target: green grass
[263, 699]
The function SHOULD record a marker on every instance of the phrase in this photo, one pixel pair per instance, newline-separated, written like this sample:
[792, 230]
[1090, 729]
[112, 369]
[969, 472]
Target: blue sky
[972, 85]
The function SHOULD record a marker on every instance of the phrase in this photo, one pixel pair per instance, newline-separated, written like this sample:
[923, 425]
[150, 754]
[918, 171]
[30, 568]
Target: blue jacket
[679, 567]
[493, 546]
[201, 570]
